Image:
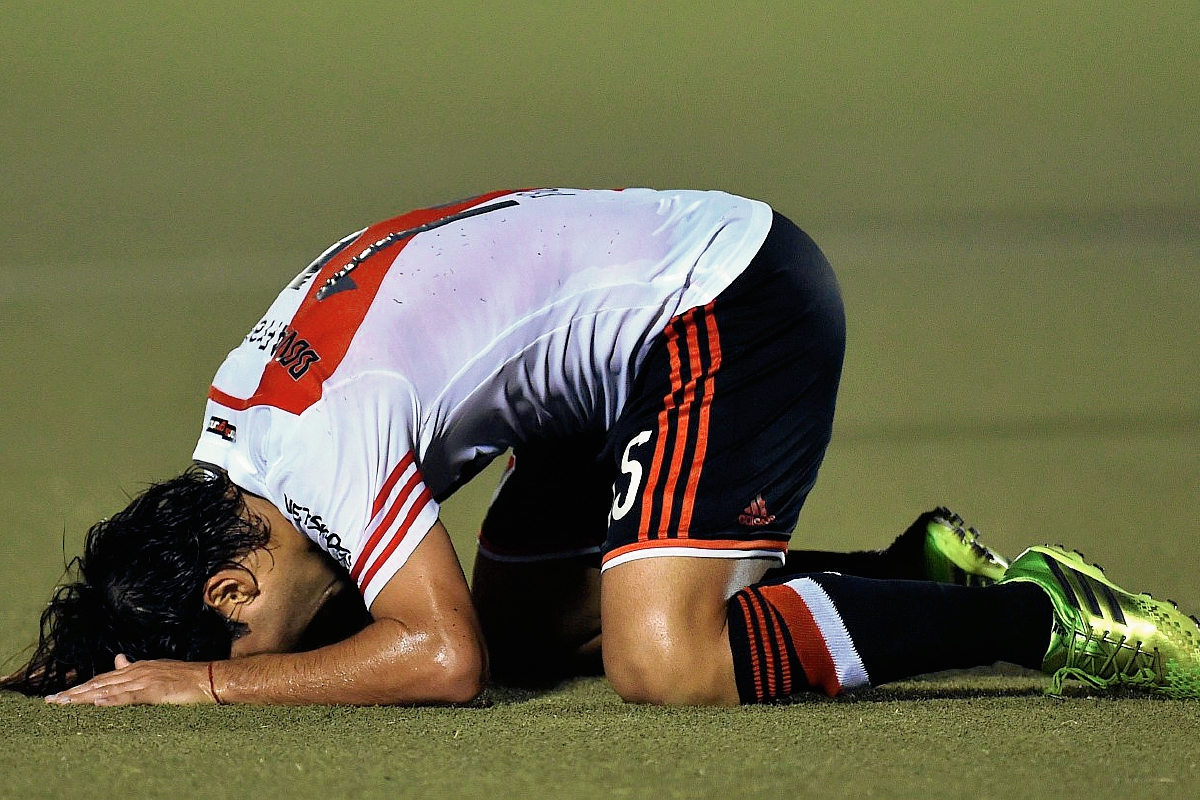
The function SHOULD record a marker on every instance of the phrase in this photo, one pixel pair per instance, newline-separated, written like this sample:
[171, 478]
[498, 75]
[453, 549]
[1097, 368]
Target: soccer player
[664, 367]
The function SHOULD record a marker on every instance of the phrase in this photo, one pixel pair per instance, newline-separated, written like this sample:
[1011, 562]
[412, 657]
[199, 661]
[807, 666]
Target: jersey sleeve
[402, 512]
[345, 471]
[355, 455]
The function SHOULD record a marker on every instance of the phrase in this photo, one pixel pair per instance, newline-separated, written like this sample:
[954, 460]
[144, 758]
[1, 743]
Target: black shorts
[719, 443]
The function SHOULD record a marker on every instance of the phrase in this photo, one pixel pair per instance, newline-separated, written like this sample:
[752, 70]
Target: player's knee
[635, 682]
[664, 673]
[665, 630]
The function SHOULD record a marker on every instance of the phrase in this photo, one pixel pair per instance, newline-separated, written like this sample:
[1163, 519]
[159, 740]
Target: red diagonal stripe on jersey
[329, 325]
[228, 400]
[814, 655]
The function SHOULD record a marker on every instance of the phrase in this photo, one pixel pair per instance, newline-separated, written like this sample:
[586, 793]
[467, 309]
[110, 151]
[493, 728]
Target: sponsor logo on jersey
[306, 522]
[222, 428]
[756, 515]
[294, 354]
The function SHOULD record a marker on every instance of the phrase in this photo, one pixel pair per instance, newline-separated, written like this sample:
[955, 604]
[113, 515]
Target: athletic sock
[832, 633]
[880, 564]
[903, 559]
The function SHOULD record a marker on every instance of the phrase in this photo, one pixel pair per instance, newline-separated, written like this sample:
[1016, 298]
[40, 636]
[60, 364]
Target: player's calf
[831, 633]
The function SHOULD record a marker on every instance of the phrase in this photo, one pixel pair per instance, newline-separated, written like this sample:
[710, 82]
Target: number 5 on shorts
[632, 468]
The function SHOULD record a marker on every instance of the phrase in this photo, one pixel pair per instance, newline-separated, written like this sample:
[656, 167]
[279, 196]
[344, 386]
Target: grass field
[1010, 198]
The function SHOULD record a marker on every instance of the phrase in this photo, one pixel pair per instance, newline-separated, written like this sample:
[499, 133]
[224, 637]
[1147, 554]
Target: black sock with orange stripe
[832, 633]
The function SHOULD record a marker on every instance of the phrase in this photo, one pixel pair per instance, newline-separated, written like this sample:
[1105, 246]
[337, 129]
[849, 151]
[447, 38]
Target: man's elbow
[460, 674]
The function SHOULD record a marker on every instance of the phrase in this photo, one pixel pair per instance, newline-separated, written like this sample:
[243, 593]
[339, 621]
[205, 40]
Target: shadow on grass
[1001, 681]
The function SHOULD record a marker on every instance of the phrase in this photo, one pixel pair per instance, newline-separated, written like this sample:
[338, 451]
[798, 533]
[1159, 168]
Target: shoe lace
[1143, 669]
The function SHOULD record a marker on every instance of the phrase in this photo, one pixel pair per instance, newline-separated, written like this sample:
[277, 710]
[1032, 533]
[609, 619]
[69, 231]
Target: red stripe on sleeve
[394, 476]
[401, 533]
[381, 529]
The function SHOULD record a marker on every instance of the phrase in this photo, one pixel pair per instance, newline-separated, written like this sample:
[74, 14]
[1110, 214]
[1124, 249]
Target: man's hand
[177, 682]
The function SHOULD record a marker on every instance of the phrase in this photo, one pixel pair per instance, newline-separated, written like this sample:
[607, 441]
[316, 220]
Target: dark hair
[138, 588]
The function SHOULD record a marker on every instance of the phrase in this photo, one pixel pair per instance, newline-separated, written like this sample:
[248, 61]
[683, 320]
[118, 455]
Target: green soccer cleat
[1107, 637]
[942, 548]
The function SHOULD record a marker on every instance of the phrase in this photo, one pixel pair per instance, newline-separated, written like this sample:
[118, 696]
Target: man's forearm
[385, 663]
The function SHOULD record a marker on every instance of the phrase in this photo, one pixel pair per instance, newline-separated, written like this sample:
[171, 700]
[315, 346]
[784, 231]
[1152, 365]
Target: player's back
[511, 315]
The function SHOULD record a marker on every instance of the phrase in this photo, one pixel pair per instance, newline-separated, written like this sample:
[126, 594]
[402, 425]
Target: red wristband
[212, 687]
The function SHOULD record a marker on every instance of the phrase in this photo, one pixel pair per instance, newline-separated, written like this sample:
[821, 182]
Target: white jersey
[413, 352]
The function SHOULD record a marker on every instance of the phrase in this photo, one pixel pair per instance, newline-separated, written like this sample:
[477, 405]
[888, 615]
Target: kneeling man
[664, 368]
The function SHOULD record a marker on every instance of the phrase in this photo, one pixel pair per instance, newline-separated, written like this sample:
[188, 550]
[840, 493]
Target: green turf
[581, 741]
[1010, 196]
